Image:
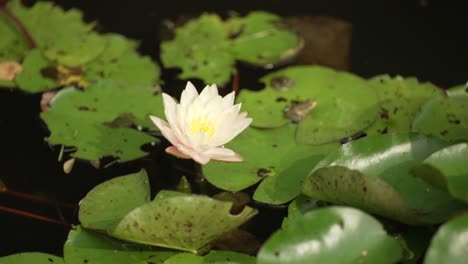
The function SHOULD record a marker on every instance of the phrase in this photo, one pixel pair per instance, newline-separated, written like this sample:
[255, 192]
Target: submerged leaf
[329, 235]
[82, 118]
[181, 221]
[373, 174]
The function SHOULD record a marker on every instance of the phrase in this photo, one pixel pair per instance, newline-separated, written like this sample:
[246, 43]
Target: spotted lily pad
[276, 158]
[447, 169]
[373, 174]
[109, 202]
[331, 235]
[31, 257]
[182, 221]
[345, 103]
[31, 78]
[207, 47]
[87, 247]
[102, 120]
[445, 117]
[400, 101]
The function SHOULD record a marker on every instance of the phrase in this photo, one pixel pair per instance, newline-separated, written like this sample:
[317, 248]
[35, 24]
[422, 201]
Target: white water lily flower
[200, 125]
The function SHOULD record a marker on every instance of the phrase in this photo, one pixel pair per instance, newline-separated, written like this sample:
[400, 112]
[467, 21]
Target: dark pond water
[427, 39]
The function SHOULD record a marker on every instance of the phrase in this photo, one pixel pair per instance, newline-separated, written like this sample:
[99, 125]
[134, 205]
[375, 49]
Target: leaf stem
[39, 199]
[34, 216]
[18, 23]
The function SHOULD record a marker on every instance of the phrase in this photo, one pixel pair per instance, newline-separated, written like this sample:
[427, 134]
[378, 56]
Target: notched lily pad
[107, 203]
[373, 174]
[346, 104]
[181, 221]
[329, 235]
[88, 120]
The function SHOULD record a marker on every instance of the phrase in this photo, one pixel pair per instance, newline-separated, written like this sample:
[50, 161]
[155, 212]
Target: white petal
[208, 92]
[170, 110]
[228, 100]
[223, 154]
[189, 94]
[176, 152]
[165, 130]
[198, 157]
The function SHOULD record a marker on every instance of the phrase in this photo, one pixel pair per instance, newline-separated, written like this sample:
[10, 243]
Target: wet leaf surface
[82, 118]
[449, 245]
[330, 235]
[447, 169]
[181, 221]
[107, 203]
[373, 174]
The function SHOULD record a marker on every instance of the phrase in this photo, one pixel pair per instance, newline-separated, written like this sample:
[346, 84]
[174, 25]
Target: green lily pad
[99, 120]
[346, 104]
[449, 245]
[260, 38]
[31, 257]
[31, 78]
[107, 203]
[87, 247]
[373, 174]
[201, 50]
[120, 62]
[298, 207]
[276, 157]
[214, 257]
[331, 235]
[400, 100]
[445, 117]
[13, 44]
[447, 169]
[181, 221]
[61, 35]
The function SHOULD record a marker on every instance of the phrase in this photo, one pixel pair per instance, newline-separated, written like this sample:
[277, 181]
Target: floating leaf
[31, 78]
[331, 235]
[276, 157]
[107, 203]
[262, 39]
[13, 45]
[201, 50]
[99, 120]
[181, 221]
[400, 100]
[298, 207]
[447, 169]
[121, 63]
[449, 245]
[61, 35]
[346, 104]
[214, 257]
[445, 117]
[373, 174]
[31, 257]
[86, 247]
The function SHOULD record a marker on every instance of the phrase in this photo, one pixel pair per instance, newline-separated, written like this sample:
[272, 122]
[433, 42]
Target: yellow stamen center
[202, 124]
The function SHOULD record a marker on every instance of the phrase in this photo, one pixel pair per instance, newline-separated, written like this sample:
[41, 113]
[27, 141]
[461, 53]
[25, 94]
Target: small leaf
[107, 203]
[31, 257]
[373, 174]
[329, 235]
[449, 245]
[447, 169]
[87, 247]
[181, 221]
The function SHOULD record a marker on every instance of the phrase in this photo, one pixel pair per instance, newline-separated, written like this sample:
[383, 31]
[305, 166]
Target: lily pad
[276, 157]
[449, 245]
[262, 39]
[181, 221]
[101, 120]
[373, 174]
[121, 63]
[298, 207]
[31, 257]
[87, 247]
[107, 203]
[214, 257]
[445, 117]
[13, 44]
[31, 78]
[447, 169]
[346, 104]
[331, 235]
[400, 100]
[61, 35]
[201, 50]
